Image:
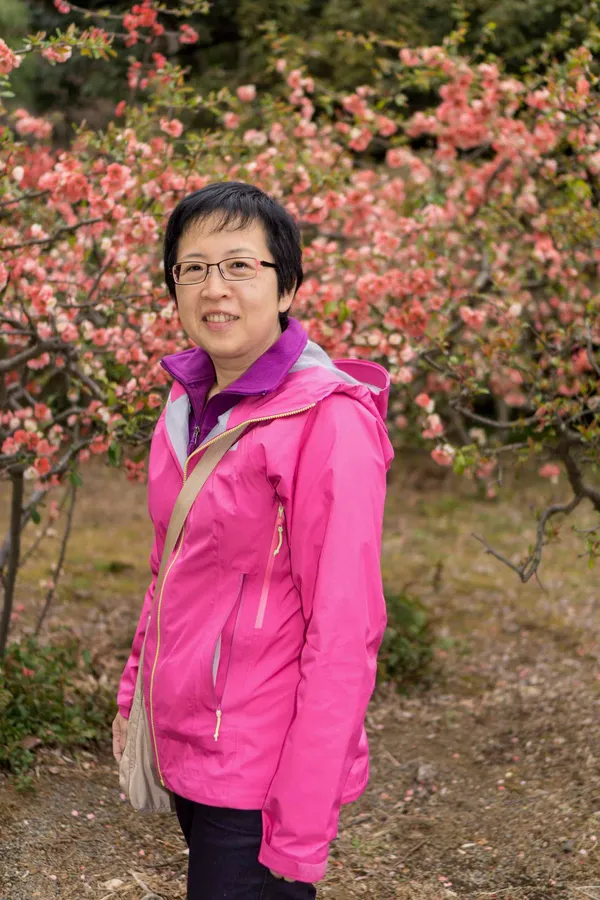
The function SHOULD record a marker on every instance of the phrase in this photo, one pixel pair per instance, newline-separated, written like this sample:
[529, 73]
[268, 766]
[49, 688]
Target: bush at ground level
[49, 696]
[407, 649]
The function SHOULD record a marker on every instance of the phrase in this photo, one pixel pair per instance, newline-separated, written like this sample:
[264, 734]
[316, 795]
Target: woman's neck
[229, 370]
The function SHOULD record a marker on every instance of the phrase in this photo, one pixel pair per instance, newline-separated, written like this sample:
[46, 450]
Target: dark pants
[223, 863]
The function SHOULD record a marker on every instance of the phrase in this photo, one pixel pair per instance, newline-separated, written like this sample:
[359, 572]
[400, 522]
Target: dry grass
[487, 784]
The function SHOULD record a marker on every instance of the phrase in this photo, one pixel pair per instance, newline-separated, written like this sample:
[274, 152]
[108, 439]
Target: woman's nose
[214, 283]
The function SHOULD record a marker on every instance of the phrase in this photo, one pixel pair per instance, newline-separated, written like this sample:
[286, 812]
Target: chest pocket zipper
[275, 548]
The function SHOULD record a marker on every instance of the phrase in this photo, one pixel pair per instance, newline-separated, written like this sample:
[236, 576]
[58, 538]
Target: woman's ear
[285, 302]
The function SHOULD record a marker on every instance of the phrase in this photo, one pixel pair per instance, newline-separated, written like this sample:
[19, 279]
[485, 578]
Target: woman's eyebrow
[195, 254]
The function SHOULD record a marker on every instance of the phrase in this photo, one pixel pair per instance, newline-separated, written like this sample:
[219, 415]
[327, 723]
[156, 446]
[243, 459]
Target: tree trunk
[14, 554]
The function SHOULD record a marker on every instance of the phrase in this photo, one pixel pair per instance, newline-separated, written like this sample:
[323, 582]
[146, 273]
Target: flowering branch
[64, 229]
[13, 362]
[32, 195]
[41, 492]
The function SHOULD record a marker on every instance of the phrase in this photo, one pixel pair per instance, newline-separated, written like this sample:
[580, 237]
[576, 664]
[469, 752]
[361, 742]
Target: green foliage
[48, 697]
[407, 649]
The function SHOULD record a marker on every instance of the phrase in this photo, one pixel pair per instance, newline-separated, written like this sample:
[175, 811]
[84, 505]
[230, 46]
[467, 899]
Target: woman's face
[253, 304]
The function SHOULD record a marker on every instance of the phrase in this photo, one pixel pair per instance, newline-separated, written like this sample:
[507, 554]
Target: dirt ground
[485, 783]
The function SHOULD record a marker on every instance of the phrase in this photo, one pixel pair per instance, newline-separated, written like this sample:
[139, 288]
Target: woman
[261, 648]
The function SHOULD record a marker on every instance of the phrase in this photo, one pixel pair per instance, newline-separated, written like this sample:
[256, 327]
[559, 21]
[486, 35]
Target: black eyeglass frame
[258, 262]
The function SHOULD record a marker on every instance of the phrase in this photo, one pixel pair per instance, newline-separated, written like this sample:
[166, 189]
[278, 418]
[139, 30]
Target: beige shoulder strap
[190, 490]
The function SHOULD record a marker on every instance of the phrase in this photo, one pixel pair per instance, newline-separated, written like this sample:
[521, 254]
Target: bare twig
[40, 538]
[413, 850]
[61, 559]
[492, 423]
[151, 895]
[529, 567]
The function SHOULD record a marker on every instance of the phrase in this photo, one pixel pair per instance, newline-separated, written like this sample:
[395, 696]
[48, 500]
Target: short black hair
[235, 205]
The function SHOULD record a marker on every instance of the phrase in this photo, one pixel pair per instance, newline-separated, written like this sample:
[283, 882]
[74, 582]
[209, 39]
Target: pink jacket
[261, 648]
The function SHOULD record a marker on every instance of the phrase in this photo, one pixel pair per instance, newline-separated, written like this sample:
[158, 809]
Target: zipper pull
[216, 734]
[195, 434]
[279, 529]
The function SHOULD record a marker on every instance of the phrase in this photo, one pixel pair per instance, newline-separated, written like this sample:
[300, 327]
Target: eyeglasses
[237, 268]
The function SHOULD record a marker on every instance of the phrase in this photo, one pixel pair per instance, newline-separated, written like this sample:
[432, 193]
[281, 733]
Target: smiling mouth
[219, 318]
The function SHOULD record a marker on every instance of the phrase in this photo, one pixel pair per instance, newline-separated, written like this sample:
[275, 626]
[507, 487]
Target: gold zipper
[280, 513]
[162, 588]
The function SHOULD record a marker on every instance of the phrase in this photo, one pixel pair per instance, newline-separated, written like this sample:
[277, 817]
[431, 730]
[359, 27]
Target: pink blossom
[385, 126]
[255, 138]
[435, 427]
[246, 93]
[551, 471]
[8, 59]
[409, 57]
[473, 318]
[116, 179]
[294, 79]
[57, 54]
[187, 35]
[405, 375]
[539, 99]
[442, 456]
[425, 401]
[360, 138]
[515, 398]
[172, 126]
[231, 120]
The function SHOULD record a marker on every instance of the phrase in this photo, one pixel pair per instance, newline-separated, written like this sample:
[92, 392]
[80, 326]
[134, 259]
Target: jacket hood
[350, 371]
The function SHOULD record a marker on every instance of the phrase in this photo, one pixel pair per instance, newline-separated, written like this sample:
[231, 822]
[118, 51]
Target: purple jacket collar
[195, 371]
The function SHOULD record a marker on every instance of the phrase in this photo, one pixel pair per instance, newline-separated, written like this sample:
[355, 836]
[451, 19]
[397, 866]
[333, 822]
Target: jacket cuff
[125, 711]
[291, 868]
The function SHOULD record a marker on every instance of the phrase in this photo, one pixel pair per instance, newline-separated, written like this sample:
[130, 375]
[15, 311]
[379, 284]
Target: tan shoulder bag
[137, 772]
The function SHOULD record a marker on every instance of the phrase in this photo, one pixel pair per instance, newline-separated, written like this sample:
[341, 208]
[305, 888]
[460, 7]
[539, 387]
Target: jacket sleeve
[335, 545]
[129, 676]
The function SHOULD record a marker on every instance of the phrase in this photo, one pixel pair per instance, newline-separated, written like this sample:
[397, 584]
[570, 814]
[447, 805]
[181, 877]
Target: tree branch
[590, 352]
[14, 552]
[574, 474]
[89, 383]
